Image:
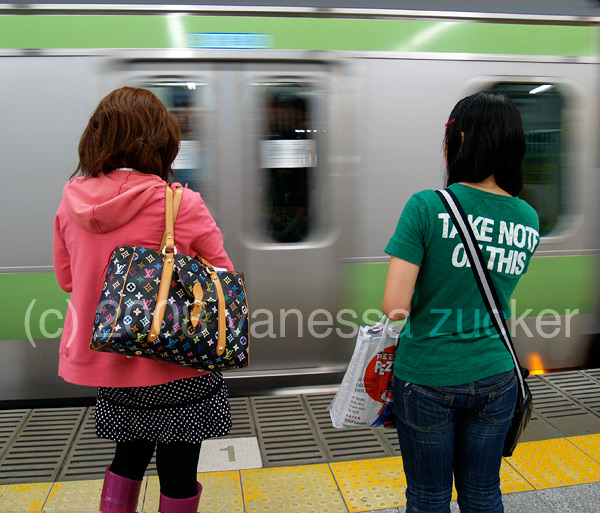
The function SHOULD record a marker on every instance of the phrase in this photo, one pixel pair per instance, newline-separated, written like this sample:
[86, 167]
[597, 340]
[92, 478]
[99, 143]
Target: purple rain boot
[119, 494]
[189, 505]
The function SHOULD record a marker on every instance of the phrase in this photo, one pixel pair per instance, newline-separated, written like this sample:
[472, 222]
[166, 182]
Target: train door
[257, 144]
[289, 234]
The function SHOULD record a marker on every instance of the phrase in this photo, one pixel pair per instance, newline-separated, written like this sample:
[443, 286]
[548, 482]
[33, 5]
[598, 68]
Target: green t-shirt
[448, 338]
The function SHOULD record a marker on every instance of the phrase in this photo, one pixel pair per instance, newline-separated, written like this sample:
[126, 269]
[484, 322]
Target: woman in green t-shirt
[454, 381]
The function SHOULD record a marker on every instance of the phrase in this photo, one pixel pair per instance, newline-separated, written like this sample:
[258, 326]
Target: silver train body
[305, 157]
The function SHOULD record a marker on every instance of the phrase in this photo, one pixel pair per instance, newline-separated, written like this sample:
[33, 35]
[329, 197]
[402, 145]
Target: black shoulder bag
[524, 405]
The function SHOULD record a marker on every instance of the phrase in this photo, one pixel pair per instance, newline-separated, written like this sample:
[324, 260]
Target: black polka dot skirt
[185, 410]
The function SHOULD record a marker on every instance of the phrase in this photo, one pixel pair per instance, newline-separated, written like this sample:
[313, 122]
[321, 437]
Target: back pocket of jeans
[426, 409]
[500, 405]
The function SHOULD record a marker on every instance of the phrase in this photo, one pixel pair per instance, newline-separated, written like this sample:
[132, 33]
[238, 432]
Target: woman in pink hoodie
[117, 197]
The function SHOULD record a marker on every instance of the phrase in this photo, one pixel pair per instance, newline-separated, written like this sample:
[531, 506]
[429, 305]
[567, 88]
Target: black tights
[176, 464]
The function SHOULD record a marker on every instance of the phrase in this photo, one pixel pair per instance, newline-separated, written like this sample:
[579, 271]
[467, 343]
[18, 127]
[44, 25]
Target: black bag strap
[482, 276]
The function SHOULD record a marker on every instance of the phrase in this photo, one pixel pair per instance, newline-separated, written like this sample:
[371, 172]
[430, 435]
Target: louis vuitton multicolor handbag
[167, 306]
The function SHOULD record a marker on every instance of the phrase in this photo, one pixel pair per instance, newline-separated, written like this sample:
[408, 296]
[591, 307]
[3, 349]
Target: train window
[287, 156]
[542, 109]
[192, 104]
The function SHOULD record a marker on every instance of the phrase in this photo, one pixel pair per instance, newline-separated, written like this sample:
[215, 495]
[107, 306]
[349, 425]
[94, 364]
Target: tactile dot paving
[552, 463]
[23, 497]
[371, 484]
[511, 481]
[589, 444]
[74, 496]
[305, 489]
[221, 493]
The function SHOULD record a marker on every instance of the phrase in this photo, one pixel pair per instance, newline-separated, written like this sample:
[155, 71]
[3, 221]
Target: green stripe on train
[296, 33]
[32, 306]
[557, 283]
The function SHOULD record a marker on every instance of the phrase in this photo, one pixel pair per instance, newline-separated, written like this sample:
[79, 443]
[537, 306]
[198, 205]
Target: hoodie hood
[106, 202]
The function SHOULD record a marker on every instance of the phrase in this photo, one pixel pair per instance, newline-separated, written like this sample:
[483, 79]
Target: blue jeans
[455, 430]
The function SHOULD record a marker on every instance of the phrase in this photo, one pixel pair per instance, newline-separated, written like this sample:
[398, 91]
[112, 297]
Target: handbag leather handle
[176, 202]
[220, 305]
[169, 251]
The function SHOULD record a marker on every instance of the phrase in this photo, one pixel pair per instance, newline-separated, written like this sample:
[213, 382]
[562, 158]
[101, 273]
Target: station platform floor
[283, 456]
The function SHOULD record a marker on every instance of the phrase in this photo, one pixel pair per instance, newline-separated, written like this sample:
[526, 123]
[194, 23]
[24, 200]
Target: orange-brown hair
[130, 128]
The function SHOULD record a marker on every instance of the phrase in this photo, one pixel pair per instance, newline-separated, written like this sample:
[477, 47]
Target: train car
[306, 128]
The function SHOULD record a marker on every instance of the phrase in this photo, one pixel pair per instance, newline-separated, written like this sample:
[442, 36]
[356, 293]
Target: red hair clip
[450, 122]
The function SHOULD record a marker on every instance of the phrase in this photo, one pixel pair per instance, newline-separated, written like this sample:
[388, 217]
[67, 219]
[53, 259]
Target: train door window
[542, 110]
[192, 103]
[287, 157]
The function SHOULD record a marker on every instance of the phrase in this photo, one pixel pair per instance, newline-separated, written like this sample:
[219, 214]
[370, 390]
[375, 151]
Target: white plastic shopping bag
[364, 398]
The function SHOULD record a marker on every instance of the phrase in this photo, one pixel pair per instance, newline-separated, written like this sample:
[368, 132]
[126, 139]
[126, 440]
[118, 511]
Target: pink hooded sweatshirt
[95, 215]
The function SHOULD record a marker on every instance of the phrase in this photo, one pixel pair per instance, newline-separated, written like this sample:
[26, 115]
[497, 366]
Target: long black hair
[484, 137]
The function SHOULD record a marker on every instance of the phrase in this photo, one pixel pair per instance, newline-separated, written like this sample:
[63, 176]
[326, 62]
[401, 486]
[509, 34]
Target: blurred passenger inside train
[288, 194]
[116, 197]
[455, 385]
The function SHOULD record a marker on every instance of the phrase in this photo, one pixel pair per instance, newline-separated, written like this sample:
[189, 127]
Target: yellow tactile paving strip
[352, 487]
[371, 484]
[305, 489]
[73, 496]
[511, 481]
[25, 497]
[590, 444]
[554, 463]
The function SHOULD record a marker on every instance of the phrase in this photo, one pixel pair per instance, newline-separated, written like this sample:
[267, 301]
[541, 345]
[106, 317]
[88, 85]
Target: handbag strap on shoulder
[169, 250]
[482, 275]
[171, 209]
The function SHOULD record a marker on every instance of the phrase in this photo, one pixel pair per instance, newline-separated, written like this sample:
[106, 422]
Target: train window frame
[318, 175]
[570, 159]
